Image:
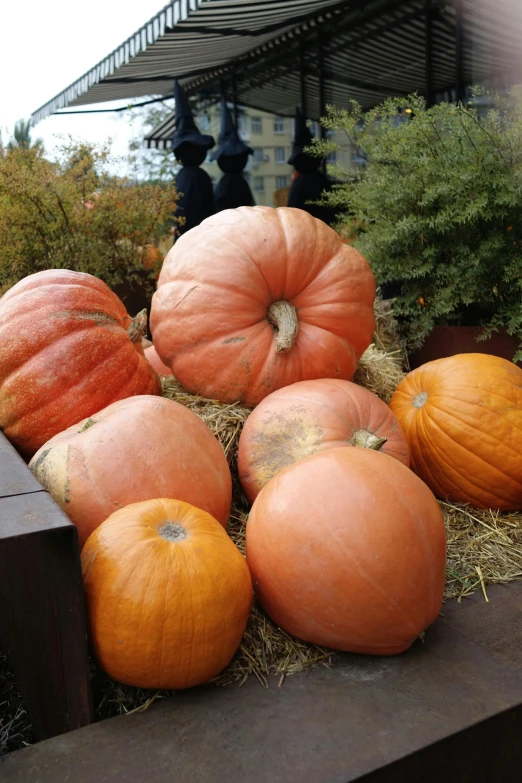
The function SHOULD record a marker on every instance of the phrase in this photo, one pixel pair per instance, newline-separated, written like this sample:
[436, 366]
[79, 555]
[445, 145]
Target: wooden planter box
[449, 710]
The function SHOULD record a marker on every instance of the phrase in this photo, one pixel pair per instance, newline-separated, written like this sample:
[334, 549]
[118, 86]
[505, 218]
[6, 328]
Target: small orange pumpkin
[309, 417]
[168, 595]
[136, 449]
[347, 549]
[462, 416]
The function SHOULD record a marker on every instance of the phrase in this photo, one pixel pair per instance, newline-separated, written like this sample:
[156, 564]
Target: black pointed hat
[229, 143]
[186, 130]
[302, 136]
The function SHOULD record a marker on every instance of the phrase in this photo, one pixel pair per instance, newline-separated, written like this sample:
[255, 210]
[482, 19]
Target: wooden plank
[15, 476]
[448, 710]
[42, 614]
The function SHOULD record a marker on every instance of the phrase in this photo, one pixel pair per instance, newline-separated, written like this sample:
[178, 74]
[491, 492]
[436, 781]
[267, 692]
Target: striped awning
[363, 50]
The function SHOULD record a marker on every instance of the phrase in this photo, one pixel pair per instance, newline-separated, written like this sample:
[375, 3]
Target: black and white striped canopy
[330, 51]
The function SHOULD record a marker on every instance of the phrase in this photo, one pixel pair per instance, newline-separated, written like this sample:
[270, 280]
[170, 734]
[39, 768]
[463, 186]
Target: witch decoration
[310, 183]
[193, 184]
[231, 155]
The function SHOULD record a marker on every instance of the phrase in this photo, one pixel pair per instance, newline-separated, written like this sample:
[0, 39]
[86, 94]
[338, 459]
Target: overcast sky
[46, 45]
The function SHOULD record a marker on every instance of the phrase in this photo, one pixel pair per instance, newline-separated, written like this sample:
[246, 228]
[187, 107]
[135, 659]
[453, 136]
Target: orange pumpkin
[347, 549]
[257, 298]
[136, 449]
[151, 356]
[168, 595]
[69, 348]
[462, 416]
[309, 417]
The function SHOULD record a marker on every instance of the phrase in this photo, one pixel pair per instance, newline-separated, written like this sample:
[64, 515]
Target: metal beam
[302, 76]
[459, 49]
[428, 52]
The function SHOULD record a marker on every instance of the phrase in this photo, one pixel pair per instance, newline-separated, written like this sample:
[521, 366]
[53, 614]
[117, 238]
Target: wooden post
[322, 92]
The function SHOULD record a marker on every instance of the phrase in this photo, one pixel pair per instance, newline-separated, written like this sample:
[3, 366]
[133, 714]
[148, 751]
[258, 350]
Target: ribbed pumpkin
[347, 549]
[69, 348]
[151, 356]
[462, 416]
[168, 595]
[136, 449]
[257, 298]
[309, 417]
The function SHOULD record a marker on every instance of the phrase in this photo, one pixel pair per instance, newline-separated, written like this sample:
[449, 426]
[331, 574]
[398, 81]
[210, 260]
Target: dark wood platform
[449, 710]
[42, 613]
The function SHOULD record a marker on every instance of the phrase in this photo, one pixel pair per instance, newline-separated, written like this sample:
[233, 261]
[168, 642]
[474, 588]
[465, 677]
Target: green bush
[75, 215]
[437, 209]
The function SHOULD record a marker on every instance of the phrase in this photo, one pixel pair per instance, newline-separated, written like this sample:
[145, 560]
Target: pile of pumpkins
[345, 542]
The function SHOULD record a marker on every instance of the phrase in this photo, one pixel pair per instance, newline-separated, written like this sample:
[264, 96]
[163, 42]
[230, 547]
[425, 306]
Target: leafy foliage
[22, 136]
[74, 214]
[437, 208]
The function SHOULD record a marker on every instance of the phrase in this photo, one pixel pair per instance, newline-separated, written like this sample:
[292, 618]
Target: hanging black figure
[232, 190]
[194, 186]
[311, 182]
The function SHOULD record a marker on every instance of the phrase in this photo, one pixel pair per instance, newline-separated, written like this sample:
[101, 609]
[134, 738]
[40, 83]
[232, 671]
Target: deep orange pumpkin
[257, 298]
[347, 549]
[462, 416]
[136, 449]
[309, 417]
[168, 595]
[69, 348]
[151, 356]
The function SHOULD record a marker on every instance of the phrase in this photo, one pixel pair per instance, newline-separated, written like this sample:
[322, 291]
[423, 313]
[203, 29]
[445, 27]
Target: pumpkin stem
[138, 327]
[368, 440]
[171, 531]
[283, 317]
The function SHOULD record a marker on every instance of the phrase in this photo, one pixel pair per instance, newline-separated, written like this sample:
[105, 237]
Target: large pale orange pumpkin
[257, 298]
[309, 417]
[151, 356]
[347, 549]
[136, 449]
[168, 595]
[69, 348]
[462, 416]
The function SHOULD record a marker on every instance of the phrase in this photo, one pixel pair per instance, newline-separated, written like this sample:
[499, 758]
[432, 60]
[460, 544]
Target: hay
[484, 548]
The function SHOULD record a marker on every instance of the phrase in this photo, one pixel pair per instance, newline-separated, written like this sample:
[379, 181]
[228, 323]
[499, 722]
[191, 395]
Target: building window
[259, 184]
[331, 157]
[242, 127]
[281, 182]
[258, 155]
[279, 124]
[280, 155]
[257, 125]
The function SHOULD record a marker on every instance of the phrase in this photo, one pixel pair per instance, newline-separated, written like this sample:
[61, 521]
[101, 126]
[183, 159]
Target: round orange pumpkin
[136, 449]
[168, 595]
[309, 417]
[69, 348]
[462, 416]
[257, 298]
[347, 549]
[151, 356]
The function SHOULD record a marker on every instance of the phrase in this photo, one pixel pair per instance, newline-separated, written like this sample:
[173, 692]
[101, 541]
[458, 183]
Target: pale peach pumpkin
[256, 298]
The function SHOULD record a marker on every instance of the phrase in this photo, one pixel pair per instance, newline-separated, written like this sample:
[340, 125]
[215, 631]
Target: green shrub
[76, 215]
[437, 209]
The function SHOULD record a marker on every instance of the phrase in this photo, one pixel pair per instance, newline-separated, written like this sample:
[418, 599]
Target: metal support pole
[459, 46]
[428, 19]
[234, 98]
[322, 93]
[302, 76]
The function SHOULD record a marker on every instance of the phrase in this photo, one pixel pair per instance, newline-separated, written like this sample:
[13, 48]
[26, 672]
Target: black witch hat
[302, 136]
[186, 130]
[229, 143]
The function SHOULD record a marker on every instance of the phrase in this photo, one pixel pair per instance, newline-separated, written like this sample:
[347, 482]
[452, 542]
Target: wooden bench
[448, 711]
[42, 613]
